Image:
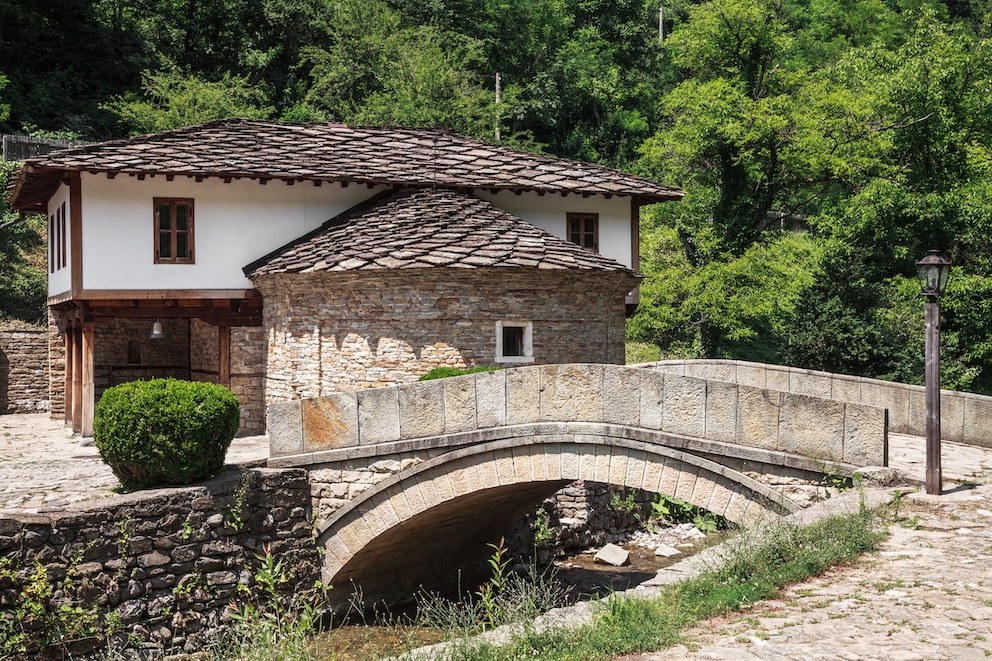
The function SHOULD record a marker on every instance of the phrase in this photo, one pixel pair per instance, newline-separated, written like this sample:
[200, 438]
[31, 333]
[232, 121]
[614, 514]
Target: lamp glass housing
[933, 272]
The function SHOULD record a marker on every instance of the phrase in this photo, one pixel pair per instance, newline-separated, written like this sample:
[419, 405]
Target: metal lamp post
[933, 271]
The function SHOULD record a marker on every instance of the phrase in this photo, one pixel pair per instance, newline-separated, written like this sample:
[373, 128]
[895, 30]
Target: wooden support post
[69, 364]
[224, 355]
[77, 380]
[88, 398]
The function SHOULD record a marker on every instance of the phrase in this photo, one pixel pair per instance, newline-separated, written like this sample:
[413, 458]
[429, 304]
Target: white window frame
[528, 349]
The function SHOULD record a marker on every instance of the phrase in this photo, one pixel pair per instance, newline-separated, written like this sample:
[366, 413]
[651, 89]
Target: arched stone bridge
[412, 482]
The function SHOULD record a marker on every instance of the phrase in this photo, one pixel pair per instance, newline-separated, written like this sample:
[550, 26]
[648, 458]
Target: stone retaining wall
[161, 566]
[23, 368]
[964, 418]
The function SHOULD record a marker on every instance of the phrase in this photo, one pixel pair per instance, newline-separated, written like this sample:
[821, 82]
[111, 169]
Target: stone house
[293, 260]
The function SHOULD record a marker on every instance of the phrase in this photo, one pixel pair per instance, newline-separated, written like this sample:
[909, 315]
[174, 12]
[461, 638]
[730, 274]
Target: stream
[580, 572]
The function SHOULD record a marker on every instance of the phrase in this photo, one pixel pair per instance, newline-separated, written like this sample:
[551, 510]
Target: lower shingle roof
[424, 228]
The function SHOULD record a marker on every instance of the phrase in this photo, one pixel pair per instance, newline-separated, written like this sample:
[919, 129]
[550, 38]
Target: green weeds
[756, 569]
[506, 597]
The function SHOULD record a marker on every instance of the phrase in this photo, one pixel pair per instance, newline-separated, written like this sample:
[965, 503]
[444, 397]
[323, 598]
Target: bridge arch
[428, 522]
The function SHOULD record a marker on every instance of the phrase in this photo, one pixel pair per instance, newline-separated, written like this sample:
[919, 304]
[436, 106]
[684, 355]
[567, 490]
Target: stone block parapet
[965, 417]
[476, 408]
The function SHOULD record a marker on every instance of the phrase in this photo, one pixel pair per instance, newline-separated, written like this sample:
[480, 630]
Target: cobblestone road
[925, 596]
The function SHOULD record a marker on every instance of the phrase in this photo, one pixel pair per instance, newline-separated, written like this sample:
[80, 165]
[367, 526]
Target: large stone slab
[421, 409]
[621, 395]
[330, 422]
[721, 411]
[758, 412]
[572, 393]
[684, 408]
[523, 395]
[812, 427]
[490, 393]
[459, 404]
[652, 397]
[866, 435]
[379, 415]
[284, 421]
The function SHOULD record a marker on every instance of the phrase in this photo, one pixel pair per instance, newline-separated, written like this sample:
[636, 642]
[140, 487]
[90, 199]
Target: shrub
[445, 372]
[165, 431]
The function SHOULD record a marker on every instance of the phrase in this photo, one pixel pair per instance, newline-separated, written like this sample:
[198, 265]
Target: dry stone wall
[162, 565]
[23, 368]
[342, 331]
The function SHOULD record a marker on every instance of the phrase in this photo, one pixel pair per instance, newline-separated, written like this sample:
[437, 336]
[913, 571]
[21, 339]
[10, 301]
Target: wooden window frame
[173, 231]
[578, 233]
[57, 239]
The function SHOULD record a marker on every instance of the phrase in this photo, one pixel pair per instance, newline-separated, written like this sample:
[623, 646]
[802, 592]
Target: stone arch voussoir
[543, 458]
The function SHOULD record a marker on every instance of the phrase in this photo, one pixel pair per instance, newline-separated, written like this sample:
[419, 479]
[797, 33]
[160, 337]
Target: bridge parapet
[318, 430]
[965, 417]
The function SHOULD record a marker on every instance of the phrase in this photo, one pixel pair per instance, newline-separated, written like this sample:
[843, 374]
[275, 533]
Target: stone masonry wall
[162, 566]
[123, 352]
[23, 368]
[203, 351]
[331, 332]
[56, 369]
[247, 368]
[248, 376]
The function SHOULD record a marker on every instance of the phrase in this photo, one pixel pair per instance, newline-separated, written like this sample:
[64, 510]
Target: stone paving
[44, 468]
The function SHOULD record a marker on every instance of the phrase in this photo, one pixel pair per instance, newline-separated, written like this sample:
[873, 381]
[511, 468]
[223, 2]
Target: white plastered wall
[60, 281]
[549, 213]
[234, 224]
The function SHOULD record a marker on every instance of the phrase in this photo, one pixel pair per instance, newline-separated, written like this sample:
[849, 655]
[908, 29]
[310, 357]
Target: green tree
[172, 99]
[23, 272]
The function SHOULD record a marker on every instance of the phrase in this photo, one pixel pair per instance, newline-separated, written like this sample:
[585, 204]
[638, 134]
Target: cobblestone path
[925, 596]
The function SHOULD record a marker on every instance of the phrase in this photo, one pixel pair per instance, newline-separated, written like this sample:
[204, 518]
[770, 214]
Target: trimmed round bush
[165, 431]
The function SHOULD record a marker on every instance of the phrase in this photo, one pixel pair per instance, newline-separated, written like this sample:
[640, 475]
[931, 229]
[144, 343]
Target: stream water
[580, 572]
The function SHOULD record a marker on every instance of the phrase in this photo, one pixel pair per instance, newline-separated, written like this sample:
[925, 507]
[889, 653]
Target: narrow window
[173, 231]
[51, 244]
[63, 237]
[583, 229]
[514, 342]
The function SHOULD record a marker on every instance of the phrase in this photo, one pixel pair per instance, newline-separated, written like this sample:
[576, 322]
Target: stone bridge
[412, 482]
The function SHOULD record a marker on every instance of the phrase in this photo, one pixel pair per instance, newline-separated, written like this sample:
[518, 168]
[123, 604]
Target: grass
[755, 570]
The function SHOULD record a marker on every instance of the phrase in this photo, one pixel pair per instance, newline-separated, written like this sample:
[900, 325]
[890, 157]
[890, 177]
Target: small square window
[514, 342]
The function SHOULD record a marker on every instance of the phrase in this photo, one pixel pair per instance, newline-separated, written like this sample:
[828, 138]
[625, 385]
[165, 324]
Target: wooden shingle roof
[425, 227]
[241, 148]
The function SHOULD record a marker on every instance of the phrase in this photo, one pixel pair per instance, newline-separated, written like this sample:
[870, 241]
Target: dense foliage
[824, 145]
[165, 431]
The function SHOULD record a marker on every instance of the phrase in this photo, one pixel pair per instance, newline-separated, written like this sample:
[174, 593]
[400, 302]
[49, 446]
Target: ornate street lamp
[933, 271]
